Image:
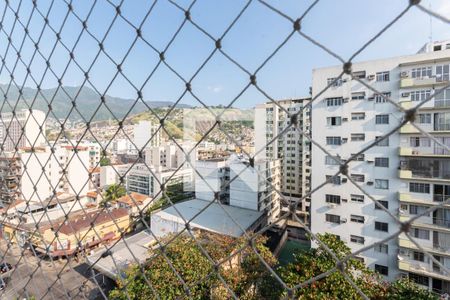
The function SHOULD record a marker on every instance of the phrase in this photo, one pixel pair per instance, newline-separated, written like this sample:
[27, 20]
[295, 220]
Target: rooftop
[128, 251]
[215, 218]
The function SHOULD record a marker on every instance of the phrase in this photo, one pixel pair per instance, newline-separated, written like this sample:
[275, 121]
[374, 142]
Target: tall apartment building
[10, 170]
[235, 183]
[22, 129]
[407, 173]
[146, 134]
[292, 149]
[249, 188]
[43, 172]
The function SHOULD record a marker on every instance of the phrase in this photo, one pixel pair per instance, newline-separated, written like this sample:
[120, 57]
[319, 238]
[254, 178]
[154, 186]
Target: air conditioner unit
[344, 140]
[371, 98]
[343, 220]
[404, 74]
[331, 205]
[344, 119]
[370, 161]
[344, 180]
[369, 182]
[344, 200]
[405, 95]
[371, 77]
[345, 100]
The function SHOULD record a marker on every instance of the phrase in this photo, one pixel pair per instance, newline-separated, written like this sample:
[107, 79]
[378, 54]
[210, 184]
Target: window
[359, 74]
[383, 203]
[382, 119]
[382, 184]
[421, 95]
[336, 199]
[357, 177]
[334, 101]
[419, 142]
[383, 76]
[420, 233]
[358, 116]
[419, 279]
[333, 140]
[357, 137]
[382, 142]
[356, 219]
[333, 161]
[381, 98]
[424, 118]
[416, 187]
[417, 209]
[382, 162]
[356, 239]
[421, 72]
[333, 81]
[419, 256]
[333, 179]
[442, 72]
[381, 226]
[334, 121]
[383, 270]
[333, 218]
[442, 99]
[381, 248]
[357, 198]
[358, 96]
[359, 157]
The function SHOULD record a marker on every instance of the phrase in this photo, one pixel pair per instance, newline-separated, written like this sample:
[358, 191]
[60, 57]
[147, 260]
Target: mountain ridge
[86, 102]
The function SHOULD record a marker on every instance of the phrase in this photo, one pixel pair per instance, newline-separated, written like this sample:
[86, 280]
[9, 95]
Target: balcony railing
[440, 198]
[441, 222]
[441, 103]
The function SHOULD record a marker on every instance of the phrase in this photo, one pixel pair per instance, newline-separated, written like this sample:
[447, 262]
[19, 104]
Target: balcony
[408, 128]
[423, 199]
[425, 269]
[405, 174]
[428, 169]
[420, 82]
[425, 152]
[404, 242]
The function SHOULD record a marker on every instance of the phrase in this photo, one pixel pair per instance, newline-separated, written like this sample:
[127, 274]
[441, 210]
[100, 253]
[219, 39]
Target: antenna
[431, 25]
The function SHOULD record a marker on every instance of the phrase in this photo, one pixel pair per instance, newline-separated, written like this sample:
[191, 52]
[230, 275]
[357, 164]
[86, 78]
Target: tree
[113, 192]
[311, 263]
[406, 289]
[104, 161]
[197, 271]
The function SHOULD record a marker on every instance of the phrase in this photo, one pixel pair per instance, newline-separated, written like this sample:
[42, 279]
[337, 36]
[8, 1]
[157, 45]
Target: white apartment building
[211, 179]
[292, 149]
[24, 129]
[44, 172]
[111, 174]
[147, 180]
[168, 156]
[249, 189]
[406, 173]
[146, 134]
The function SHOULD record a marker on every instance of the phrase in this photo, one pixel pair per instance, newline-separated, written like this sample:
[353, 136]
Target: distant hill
[86, 103]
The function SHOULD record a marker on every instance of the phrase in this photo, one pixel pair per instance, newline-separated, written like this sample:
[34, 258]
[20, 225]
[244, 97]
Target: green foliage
[104, 161]
[406, 289]
[311, 263]
[113, 192]
[196, 271]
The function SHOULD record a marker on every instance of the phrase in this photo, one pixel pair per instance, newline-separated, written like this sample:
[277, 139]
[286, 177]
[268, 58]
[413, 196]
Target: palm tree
[113, 192]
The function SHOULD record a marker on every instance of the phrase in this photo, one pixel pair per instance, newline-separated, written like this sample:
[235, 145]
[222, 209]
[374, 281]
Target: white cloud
[215, 89]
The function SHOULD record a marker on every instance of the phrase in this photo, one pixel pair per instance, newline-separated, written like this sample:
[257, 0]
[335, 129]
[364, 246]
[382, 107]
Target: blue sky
[343, 26]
